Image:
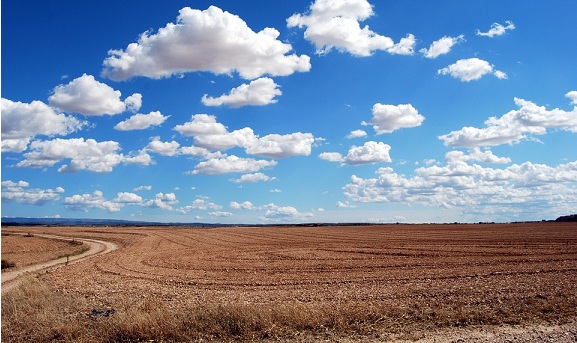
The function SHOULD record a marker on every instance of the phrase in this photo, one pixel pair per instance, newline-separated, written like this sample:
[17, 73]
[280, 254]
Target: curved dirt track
[11, 278]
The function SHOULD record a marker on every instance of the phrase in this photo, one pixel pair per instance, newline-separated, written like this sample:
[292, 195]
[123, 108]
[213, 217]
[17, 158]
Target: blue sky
[324, 111]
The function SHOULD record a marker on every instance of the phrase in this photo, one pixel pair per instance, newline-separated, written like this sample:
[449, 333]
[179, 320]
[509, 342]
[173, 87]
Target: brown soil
[27, 249]
[366, 283]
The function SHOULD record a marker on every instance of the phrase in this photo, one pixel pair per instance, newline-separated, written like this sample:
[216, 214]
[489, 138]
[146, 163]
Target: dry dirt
[433, 283]
[27, 249]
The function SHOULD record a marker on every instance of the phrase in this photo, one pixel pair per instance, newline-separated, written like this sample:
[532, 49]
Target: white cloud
[497, 29]
[331, 156]
[389, 118]
[406, 46]
[87, 96]
[141, 121]
[573, 96]
[473, 188]
[20, 193]
[143, 158]
[247, 205]
[442, 46]
[201, 124]
[231, 164]
[162, 201]
[133, 102]
[471, 69]
[476, 155]
[128, 198]
[143, 188]
[273, 212]
[100, 157]
[513, 126]
[163, 148]
[282, 146]
[335, 24]
[96, 200]
[258, 93]
[370, 152]
[220, 214]
[357, 134]
[210, 40]
[211, 135]
[345, 204]
[199, 205]
[21, 122]
[254, 177]
[275, 191]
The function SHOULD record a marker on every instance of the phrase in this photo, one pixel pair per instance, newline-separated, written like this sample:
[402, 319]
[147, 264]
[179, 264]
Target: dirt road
[10, 279]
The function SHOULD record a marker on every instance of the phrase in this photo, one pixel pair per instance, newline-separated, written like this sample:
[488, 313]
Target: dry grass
[36, 313]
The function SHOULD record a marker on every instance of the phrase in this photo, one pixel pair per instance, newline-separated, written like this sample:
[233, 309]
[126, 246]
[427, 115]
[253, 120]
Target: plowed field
[366, 281]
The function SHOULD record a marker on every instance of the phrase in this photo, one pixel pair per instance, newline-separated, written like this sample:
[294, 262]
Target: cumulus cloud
[87, 96]
[128, 198]
[133, 102]
[212, 135]
[472, 187]
[141, 121]
[274, 212]
[220, 214]
[257, 93]
[231, 164]
[513, 126]
[211, 40]
[199, 205]
[475, 155]
[254, 177]
[19, 192]
[162, 201]
[163, 148]
[85, 202]
[345, 204]
[247, 205]
[282, 146]
[442, 46]
[573, 96]
[357, 134]
[336, 24]
[21, 122]
[389, 118]
[331, 156]
[142, 158]
[370, 152]
[497, 29]
[100, 157]
[406, 46]
[471, 69]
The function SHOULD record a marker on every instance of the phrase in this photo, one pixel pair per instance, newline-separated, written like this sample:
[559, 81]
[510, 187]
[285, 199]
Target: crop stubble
[390, 277]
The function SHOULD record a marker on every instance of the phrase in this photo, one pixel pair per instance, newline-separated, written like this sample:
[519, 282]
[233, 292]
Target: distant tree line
[569, 218]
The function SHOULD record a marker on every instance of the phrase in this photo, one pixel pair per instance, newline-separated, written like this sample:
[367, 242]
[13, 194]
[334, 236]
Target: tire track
[11, 279]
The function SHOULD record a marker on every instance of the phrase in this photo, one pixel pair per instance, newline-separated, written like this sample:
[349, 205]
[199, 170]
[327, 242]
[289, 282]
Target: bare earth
[25, 250]
[428, 283]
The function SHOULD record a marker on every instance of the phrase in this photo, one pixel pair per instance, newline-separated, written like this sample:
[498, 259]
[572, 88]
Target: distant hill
[569, 218]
